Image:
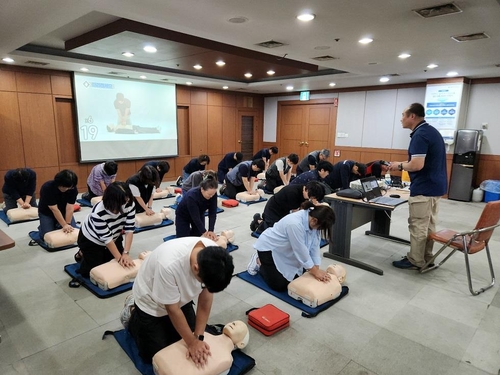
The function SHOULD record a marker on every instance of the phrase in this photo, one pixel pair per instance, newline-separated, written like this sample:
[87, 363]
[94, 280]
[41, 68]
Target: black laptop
[373, 194]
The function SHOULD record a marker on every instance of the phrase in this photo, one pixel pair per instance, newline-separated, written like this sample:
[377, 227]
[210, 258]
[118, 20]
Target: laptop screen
[370, 187]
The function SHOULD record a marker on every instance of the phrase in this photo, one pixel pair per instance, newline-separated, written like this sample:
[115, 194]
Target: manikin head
[337, 270]
[237, 331]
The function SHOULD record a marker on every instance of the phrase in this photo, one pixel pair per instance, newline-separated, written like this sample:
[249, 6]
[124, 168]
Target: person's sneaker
[253, 267]
[405, 264]
[253, 226]
[127, 310]
[178, 182]
[222, 189]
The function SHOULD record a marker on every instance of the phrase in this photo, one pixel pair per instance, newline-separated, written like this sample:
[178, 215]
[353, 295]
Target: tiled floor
[398, 323]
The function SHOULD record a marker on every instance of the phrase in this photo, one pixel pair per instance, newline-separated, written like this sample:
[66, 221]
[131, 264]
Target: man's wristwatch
[400, 166]
[125, 252]
[200, 337]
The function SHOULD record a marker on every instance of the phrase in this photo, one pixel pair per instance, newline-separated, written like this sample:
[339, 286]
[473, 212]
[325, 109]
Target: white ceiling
[338, 26]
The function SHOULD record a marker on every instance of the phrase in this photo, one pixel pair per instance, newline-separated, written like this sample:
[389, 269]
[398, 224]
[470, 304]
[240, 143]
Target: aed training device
[395, 196]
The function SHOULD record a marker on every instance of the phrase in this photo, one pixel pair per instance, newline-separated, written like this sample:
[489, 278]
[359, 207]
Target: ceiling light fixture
[150, 49]
[270, 72]
[452, 74]
[306, 17]
[128, 54]
[189, 83]
[331, 84]
[384, 79]
[197, 66]
[84, 69]
[432, 66]
[143, 77]
[404, 56]
[220, 63]
[365, 40]
[248, 75]
[225, 87]
[289, 88]
[8, 60]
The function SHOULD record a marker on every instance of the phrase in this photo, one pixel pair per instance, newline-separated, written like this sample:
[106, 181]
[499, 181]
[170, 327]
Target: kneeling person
[171, 277]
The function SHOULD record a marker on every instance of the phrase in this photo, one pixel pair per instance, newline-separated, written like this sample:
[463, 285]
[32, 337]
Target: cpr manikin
[144, 220]
[172, 360]
[313, 292]
[58, 238]
[225, 237]
[245, 196]
[163, 193]
[111, 274]
[21, 214]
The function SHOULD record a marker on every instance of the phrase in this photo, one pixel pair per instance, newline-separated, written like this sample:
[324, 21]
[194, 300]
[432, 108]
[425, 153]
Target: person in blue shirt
[426, 166]
[162, 167]
[319, 174]
[241, 178]
[190, 213]
[19, 189]
[230, 160]
[344, 172]
[291, 247]
[265, 155]
[195, 164]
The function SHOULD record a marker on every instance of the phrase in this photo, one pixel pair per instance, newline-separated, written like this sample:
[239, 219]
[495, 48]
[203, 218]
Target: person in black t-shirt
[19, 189]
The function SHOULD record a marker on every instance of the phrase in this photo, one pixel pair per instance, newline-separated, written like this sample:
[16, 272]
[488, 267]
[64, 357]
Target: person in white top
[170, 278]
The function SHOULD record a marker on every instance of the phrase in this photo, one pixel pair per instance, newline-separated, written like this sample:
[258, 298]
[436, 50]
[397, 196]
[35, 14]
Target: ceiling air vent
[271, 44]
[37, 63]
[438, 10]
[325, 58]
[115, 73]
[469, 37]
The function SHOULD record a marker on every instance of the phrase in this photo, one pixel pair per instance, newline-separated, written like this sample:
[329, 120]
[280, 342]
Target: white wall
[372, 118]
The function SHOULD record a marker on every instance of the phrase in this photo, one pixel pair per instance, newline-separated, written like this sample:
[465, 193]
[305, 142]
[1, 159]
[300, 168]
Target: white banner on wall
[442, 106]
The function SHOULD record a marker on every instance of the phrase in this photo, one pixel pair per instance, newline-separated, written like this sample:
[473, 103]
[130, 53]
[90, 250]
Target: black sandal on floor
[78, 256]
[74, 283]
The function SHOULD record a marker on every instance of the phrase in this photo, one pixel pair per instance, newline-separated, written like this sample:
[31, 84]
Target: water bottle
[387, 179]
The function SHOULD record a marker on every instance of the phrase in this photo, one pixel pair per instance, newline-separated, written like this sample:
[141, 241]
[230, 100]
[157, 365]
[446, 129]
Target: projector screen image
[124, 119]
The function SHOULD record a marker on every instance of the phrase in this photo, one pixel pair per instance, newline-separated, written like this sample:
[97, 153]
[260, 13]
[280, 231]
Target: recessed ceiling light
[365, 40]
[84, 69]
[150, 49]
[289, 88]
[189, 83]
[452, 74]
[384, 79]
[197, 66]
[331, 84]
[270, 72]
[432, 66]
[8, 60]
[143, 77]
[225, 87]
[306, 17]
[220, 63]
[248, 75]
[404, 55]
[128, 54]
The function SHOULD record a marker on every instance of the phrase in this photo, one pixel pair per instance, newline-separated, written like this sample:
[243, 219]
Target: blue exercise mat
[164, 223]
[5, 218]
[230, 246]
[262, 199]
[72, 270]
[84, 202]
[322, 242]
[174, 207]
[242, 363]
[36, 240]
[307, 312]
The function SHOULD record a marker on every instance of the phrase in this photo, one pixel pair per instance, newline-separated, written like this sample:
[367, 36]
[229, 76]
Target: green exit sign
[304, 95]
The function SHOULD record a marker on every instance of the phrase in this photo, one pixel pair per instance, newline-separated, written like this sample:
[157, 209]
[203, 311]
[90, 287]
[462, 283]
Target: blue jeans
[185, 175]
[49, 223]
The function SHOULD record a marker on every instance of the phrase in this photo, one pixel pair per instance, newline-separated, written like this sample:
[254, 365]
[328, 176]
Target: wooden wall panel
[198, 120]
[7, 80]
[183, 95]
[199, 97]
[215, 139]
[10, 126]
[38, 129]
[43, 175]
[183, 138]
[66, 131]
[180, 162]
[228, 100]
[214, 98]
[81, 171]
[61, 85]
[33, 83]
[229, 130]
[126, 169]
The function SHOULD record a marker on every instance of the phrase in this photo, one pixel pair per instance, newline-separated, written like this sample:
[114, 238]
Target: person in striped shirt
[100, 238]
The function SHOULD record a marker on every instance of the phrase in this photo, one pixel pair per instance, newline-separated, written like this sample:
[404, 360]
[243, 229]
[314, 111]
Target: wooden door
[303, 128]
[247, 121]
